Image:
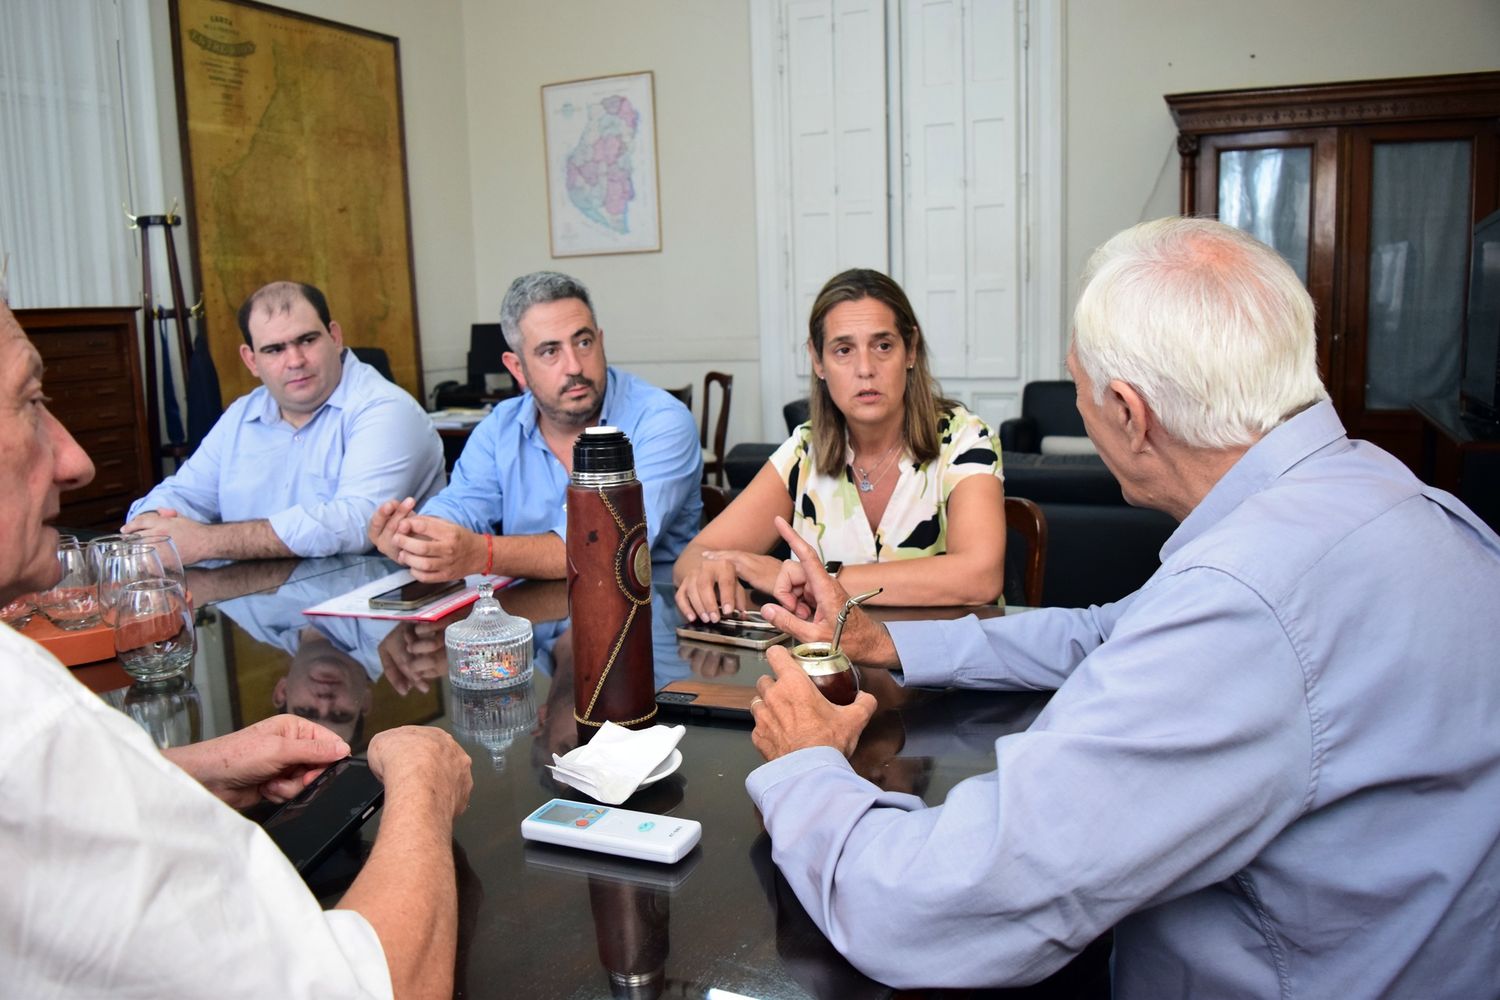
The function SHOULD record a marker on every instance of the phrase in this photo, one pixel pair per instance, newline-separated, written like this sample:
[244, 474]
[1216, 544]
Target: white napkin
[612, 765]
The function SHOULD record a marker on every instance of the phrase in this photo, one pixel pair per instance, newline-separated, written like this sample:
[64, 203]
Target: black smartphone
[335, 805]
[747, 629]
[411, 596]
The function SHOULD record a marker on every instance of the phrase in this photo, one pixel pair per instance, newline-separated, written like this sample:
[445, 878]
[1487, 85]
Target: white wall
[1123, 55]
[437, 154]
[669, 316]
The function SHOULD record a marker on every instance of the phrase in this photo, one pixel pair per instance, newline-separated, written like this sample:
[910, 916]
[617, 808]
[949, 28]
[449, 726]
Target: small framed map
[601, 165]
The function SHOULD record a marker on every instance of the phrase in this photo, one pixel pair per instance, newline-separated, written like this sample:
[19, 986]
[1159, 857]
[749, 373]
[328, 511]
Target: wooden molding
[1425, 98]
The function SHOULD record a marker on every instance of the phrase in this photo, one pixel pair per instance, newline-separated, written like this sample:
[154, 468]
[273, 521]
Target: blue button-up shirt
[507, 480]
[317, 484]
[1275, 767]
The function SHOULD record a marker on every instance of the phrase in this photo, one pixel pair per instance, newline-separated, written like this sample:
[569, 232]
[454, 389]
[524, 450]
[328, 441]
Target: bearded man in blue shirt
[297, 467]
[504, 511]
[1274, 769]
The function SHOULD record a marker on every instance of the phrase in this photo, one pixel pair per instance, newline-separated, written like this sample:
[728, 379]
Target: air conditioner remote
[624, 832]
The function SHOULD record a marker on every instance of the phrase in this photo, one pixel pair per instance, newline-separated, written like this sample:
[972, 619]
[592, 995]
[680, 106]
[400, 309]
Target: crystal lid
[489, 623]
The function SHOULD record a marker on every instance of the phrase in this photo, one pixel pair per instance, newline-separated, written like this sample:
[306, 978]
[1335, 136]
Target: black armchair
[1048, 409]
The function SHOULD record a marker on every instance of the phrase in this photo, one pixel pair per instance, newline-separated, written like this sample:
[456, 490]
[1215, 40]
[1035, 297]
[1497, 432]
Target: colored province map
[598, 181]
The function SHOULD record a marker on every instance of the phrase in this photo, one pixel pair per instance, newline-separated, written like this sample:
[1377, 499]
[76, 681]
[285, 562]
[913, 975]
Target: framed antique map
[601, 165]
[295, 159]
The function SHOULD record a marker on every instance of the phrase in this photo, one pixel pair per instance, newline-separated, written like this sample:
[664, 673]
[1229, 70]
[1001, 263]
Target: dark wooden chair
[715, 499]
[1025, 551]
[684, 394]
[713, 449]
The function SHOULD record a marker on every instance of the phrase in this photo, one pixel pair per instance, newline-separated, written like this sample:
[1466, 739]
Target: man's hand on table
[792, 714]
[274, 759]
[423, 758]
[412, 654]
[809, 602]
[433, 549]
[192, 538]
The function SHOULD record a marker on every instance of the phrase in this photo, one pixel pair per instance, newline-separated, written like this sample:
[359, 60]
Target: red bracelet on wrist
[489, 553]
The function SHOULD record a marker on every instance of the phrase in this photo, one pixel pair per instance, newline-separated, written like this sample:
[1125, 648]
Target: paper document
[356, 603]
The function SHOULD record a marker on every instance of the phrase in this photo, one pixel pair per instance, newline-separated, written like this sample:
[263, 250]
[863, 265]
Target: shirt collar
[267, 411]
[1287, 444]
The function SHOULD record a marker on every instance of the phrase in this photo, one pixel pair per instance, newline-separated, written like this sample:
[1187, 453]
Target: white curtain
[78, 143]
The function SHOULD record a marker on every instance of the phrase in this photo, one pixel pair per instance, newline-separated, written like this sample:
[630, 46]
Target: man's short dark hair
[280, 296]
[536, 289]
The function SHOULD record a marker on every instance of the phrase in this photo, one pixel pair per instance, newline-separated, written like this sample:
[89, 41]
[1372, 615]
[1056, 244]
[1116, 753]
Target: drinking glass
[153, 630]
[18, 612]
[97, 547]
[73, 603]
[121, 564]
[166, 551]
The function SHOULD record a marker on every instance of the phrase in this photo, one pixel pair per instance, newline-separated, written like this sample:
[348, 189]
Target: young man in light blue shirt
[504, 510]
[1274, 769]
[297, 467]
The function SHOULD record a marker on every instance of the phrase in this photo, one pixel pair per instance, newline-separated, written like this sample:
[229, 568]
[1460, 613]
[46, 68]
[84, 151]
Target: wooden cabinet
[1371, 191]
[93, 374]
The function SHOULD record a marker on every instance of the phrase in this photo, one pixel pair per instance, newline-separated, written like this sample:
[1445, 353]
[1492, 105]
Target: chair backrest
[796, 413]
[715, 499]
[1054, 407]
[683, 394]
[1025, 551]
[713, 461]
[376, 358]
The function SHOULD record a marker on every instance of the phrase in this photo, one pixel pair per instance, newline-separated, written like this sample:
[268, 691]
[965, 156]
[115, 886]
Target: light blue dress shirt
[319, 484]
[1274, 769]
[507, 481]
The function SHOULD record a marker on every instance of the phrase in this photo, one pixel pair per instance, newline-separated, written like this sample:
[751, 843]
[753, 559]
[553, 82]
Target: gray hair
[1209, 325]
[535, 289]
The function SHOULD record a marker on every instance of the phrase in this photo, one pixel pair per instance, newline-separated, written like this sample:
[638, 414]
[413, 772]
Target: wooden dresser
[94, 378]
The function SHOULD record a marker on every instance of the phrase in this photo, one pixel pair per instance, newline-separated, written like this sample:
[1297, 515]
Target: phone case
[731, 633]
[397, 604]
[708, 698]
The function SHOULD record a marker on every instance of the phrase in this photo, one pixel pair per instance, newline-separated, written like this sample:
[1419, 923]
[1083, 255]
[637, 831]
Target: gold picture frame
[294, 155]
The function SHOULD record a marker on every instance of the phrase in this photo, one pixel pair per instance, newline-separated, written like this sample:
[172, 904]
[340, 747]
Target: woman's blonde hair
[924, 403]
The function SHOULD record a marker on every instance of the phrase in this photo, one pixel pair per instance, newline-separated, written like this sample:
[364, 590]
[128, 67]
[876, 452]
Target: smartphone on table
[331, 808]
[413, 595]
[746, 629]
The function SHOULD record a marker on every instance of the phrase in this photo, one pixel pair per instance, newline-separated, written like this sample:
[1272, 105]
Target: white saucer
[666, 767]
[672, 762]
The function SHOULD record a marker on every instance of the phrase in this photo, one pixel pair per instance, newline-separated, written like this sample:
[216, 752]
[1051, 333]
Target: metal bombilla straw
[838, 626]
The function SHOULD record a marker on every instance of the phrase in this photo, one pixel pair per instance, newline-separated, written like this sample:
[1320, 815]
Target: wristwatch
[832, 567]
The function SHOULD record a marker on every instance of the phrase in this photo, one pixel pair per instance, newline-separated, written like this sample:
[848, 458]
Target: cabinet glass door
[1420, 222]
[1268, 194]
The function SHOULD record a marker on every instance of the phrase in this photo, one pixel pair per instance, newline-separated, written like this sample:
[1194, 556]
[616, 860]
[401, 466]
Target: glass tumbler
[121, 564]
[73, 603]
[18, 612]
[153, 630]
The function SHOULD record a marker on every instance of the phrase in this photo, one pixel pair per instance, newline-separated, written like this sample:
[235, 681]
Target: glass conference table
[538, 921]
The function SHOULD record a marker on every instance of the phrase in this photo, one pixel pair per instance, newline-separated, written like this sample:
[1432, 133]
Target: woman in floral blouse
[892, 484]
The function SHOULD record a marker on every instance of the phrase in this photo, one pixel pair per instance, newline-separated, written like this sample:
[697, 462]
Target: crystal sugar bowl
[489, 649]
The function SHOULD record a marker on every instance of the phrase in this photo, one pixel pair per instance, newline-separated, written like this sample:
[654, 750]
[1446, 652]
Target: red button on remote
[581, 822]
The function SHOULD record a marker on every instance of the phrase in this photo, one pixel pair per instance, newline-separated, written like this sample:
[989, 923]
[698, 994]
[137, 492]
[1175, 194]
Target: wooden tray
[89, 645]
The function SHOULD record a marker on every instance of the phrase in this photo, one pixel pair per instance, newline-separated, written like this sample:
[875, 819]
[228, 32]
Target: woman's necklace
[866, 482]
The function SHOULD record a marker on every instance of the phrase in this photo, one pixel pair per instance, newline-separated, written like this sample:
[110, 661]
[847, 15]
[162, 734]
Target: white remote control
[629, 834]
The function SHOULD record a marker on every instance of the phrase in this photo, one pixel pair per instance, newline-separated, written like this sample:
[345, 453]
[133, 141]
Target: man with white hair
[130, 872]
[1274, 769]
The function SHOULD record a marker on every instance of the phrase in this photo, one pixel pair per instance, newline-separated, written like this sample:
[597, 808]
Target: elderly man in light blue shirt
[298, 466]
[504, 510]
[1274, 770]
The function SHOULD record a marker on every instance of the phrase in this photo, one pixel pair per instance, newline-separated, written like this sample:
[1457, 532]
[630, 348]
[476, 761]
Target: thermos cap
[602, 456]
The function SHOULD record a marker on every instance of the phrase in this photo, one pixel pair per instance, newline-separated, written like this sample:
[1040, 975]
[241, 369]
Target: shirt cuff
[921, 647]
[761, 780]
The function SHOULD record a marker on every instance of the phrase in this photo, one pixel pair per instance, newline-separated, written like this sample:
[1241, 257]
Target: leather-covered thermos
[609, 584]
